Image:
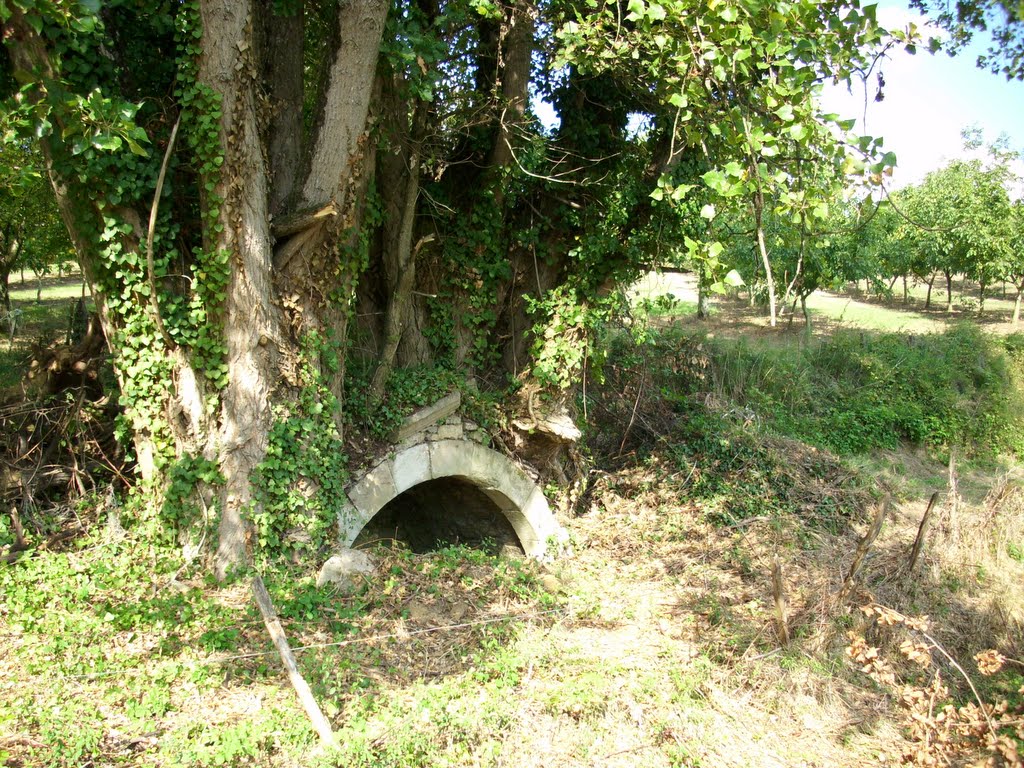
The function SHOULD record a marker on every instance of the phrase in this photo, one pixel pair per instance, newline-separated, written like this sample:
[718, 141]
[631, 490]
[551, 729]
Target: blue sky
[929, 99]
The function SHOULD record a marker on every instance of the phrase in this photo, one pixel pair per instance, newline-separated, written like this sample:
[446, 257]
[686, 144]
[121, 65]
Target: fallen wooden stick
[316, 715]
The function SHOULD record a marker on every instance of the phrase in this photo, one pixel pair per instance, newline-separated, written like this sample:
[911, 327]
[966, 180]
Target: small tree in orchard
[1013, 268]
[878, 240]
[280, 204]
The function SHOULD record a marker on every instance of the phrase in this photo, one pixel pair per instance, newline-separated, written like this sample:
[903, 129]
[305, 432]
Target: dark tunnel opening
[442, 512]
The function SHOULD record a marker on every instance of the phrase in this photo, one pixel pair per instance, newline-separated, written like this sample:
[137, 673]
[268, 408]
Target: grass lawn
[829, 310]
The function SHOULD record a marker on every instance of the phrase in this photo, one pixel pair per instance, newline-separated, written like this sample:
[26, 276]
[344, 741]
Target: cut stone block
[449, 432]
[411, 467]
[374, 491]
[428, 416]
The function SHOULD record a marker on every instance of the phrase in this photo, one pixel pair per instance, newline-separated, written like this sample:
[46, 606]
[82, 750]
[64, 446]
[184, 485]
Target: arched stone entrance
[512, 493]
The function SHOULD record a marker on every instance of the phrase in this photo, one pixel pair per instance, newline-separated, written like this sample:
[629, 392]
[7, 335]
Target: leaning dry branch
[863, 548]
[781, 608]
[922, 531]
[293, 223]
[150, 262]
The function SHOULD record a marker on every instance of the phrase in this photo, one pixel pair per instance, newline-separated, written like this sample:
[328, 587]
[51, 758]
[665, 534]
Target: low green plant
[856, 392]
[406, 390]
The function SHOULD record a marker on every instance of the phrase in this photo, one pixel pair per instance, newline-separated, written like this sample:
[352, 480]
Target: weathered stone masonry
[436, 443]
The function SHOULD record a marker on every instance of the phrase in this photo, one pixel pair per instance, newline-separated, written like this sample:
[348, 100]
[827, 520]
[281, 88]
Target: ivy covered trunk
[281, 292]
[219, 310]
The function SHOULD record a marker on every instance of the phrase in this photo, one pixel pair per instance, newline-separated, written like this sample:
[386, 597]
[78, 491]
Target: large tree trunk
[949, 290]
[283, 73]
[403, 255]
[252, 324]
[517, 33]
[258, 337]
[928, 298]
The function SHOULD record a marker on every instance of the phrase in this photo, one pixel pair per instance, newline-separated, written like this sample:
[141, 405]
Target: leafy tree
[1013, 269]
[878, 243]
[957, 221]
[279, 204]
[31, 232]
[1003, 21]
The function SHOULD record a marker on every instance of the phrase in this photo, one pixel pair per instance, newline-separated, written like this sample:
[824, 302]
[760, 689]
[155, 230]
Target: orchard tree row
[965, 219]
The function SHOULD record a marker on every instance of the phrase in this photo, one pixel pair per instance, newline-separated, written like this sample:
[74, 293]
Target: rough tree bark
[252, 323]
[257, 333]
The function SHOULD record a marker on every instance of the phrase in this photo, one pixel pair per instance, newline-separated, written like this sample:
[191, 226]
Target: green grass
[829, 309]
[848, 312]
[55, 289]
[112, 641]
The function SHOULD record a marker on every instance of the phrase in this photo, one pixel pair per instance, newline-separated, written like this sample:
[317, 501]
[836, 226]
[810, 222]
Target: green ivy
[406, 390]
[180, 511]
[301, 480]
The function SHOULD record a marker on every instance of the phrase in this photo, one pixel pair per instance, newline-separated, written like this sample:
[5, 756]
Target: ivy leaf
[716, 181]
[656, 12]
[136, 148]
[110, 143]
[785, 112]
[678, 100]
[681, 191]
[636, 10]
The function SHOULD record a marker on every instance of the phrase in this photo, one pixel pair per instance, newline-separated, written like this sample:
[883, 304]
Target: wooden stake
[323, 727]
[863, 548]
[922, 531]
[19, 532]
[779, 593]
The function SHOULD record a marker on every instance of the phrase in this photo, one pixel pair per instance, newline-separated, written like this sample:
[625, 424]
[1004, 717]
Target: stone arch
[518, 498]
